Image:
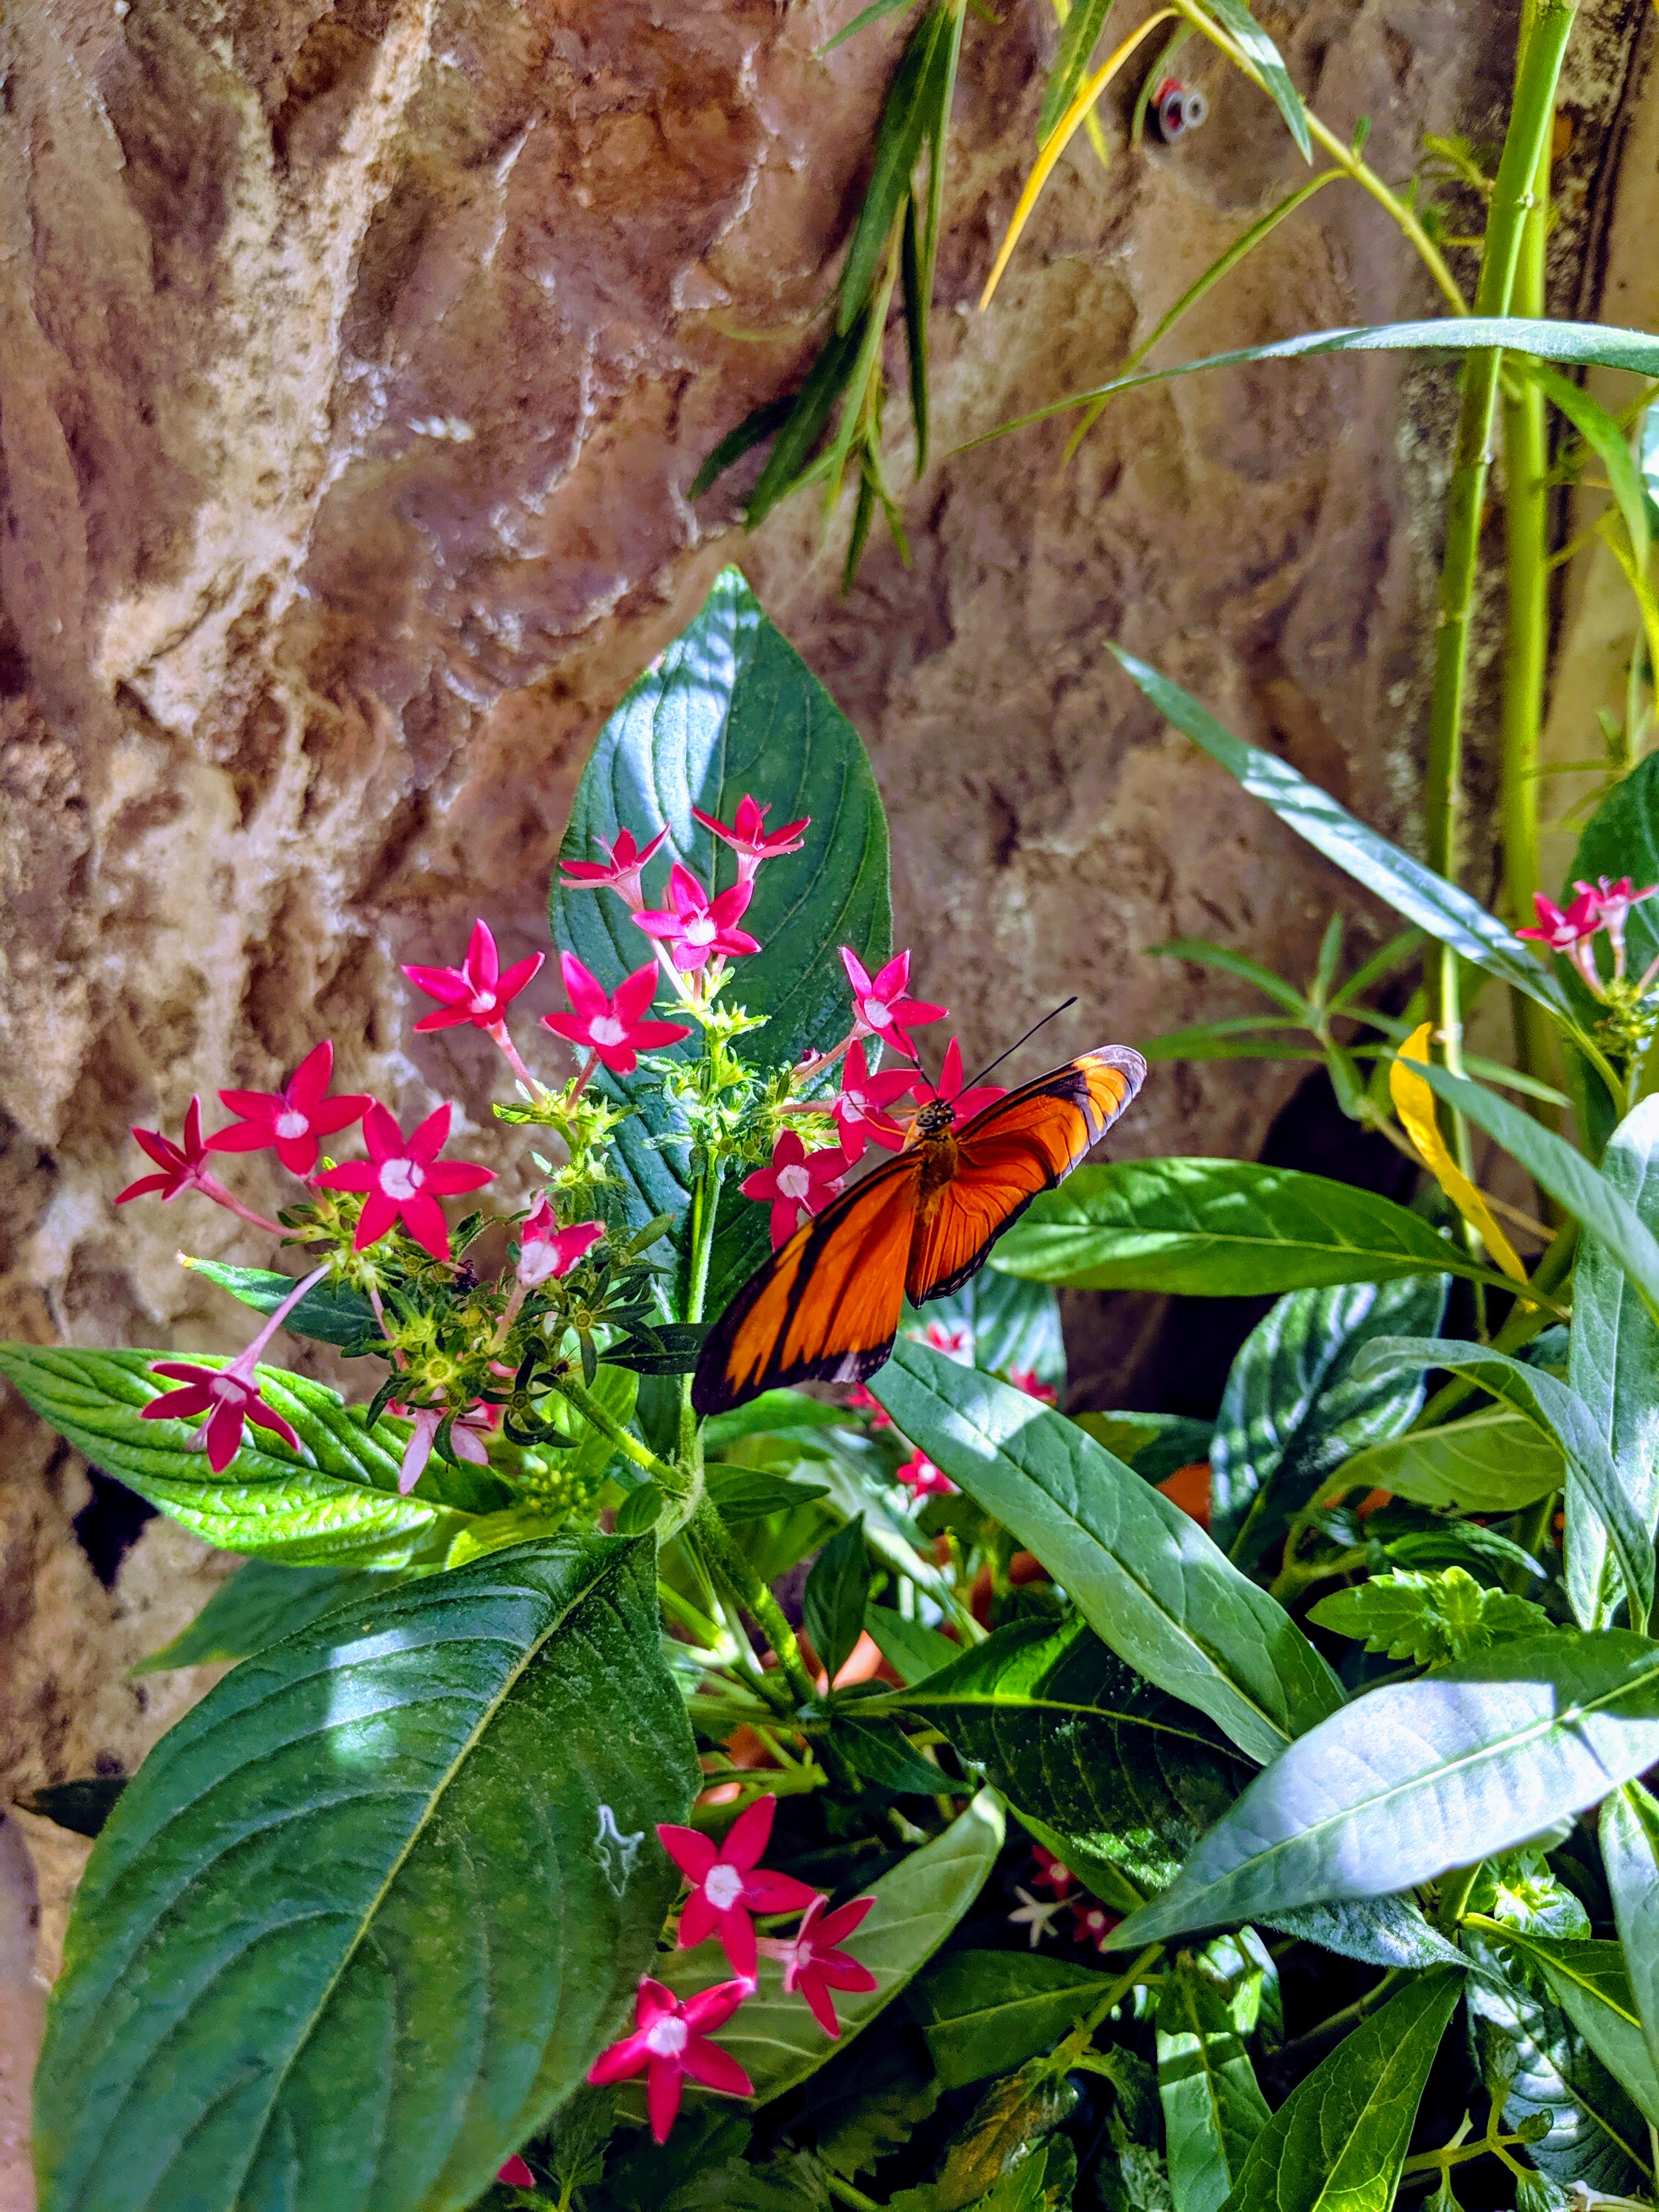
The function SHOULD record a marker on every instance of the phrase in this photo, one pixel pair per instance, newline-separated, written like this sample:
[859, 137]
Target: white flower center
[536, 1263]
[667, 2038]
[700, 930]
[607, 1029]
[401, 1179]
[877, 1014]
[292, 1123]
[227, 1389]
[724, 1887]
[483, 1002]
[795, 1182]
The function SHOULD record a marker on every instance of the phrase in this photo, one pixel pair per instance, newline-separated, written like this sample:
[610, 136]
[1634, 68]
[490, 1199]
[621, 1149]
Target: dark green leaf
[837, 1592]
[1493, 1461]
[747, 1493]
[1214, 2109]
[1621, 838]
[1630, 1854]
[1340, 2137]
[1236, 18]
[640, 1511]
[758, 425]
[1012, 2118]
[1009, 1323]
[774, 1413]
[912, 101]
[1300, 1400]
[1145, 1577]
[1078, 40]
[332, 1313]
[1588, 1981]
[1204, 954]
[371, 1908]
[82, 1807]
[909, 1647]
[875, 13]
[339, 1504]
[260, 1603]
[1155, 1444]
[1217, 1229]
[671, 1349]
[1419, 1776]
[730, 708]
[879, 1750]
[983, 2012]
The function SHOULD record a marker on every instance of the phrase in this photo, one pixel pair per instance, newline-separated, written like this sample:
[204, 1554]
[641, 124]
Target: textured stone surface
[354, 362]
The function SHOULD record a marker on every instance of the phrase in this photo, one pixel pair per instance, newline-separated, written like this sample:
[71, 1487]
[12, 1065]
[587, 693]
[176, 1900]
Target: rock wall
[354, 361]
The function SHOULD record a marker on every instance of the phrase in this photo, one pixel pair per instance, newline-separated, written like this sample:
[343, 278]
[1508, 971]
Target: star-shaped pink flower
[546, 1250]
[1028, 1380]
[860, 1401]
[228, 1395]
[953, 1339]
[404, 1179]
[478, 991]
[922, 1479]
[184, 1166]
[729, 1883]
[614, 1028]
[881, 1005]
[294, 1120]
[861, 1110]
[796, 1184]
[748, 835]
[670, 2041]
[813, 1964]
[626, 867]
[966, 1104]
[696, 928]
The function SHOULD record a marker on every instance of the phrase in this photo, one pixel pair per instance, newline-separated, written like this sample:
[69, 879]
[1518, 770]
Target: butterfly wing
[1025, 1143]
[826, 1304]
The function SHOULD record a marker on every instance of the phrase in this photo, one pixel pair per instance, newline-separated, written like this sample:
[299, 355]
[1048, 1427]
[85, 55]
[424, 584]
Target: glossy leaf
[371, 1908]
[1145, 1577]
[1493, 1462]
[1613, 1367]
[837, 1592]
[1218, 1228]
[340, 1506]
[1379, 1931]
[1213, 2107]
[1419, 1776]
[1630, 1854]
[983, 2012]
[1259, 49]
[1339, 2141]
[879, 1751]
[730, 708]
[259, 1604]
[331, 1313]
[1589, 1982]
[1300, 1400]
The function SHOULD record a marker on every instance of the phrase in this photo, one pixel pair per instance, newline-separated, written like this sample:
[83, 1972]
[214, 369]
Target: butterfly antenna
[1026, 1039]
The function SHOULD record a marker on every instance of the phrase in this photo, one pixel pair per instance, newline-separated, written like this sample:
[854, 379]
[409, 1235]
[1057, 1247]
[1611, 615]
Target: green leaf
[1011, 1322]
[1069, 1733]
[1379, 1931]
[1602, 435]
[1426, 900]
[1145, 1577]
[788, 464]
[1428, 1618]
[1557, 1412]
[1155, 1444]
[749, 1493]
[339, 1506]
[1236, 18]
[260, 1604]
[1218, 1228]
[1301, 1398]
[1418, 1777]
[1629, 1854]
[1339, 2141]
[879, 1751]
[918, 1902]
[983, 2012]
[991, 2158]
[837, 1592]
[758, 425]
[911, 104]
[774, 1413]
[1614, 1366]
[331, 1313]
[1588, 1980]
[875, 13]
[1213, 2108]
[730, 708]
[1493, 1461]
[371, 1908]
[912, 1649]
[1078, 40]
[1621, 838]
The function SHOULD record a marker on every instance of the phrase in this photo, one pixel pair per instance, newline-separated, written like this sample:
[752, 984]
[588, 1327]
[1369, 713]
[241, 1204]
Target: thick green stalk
[673, 1480]
[733, 1569]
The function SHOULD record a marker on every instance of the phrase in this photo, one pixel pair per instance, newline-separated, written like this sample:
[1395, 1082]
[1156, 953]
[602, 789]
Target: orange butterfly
[827, 1304]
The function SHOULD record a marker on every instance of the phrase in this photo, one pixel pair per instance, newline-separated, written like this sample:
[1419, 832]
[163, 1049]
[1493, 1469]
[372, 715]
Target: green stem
[1455, 1890]
[673, 1479]
[1339, 2022]
[1083, 2033]
[847, 2194]
[729, 1563]
[1523, 1324]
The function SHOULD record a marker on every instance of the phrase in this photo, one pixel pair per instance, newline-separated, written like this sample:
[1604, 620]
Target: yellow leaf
[1413, 1102]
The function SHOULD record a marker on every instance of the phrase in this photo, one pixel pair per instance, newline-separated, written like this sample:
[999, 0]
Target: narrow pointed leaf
[912, 98]
[1236, 18]
[1630, 1854]
[1078, 40]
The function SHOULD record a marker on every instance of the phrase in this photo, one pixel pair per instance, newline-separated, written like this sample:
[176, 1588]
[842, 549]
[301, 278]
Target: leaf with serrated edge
[1145, 1578]
[1419, 1776]
[372, 1907]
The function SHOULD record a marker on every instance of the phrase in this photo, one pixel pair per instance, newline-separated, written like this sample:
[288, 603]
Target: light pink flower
[546, 1250]
[403, 1179]
[748, 837]
[670, 2040]
[1613, 904]
[1028, 1380]
[696, 928]
[729, 1884]
[860, 1401]
[229, 1395]
[293, 1120]
[478, 991]
[813, 1965]
[627, 866]
[861, 1110]
[797, 1183]
[965, 1103]
[955, 1343]
[881, 1005]
[466, 1438]
[614, 1028]
[924, 1479]
[1570, 932]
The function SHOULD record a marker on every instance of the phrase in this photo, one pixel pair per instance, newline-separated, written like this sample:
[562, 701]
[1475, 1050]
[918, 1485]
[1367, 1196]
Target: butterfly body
[827, 1304]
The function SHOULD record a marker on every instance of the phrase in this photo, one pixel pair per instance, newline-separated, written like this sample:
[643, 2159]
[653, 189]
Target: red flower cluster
[671, 2037]
[1600, 905]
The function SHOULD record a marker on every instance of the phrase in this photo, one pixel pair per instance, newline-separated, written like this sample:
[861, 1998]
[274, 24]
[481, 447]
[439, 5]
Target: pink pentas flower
[670, 2040]
[965, 1103]
[696, 928]
[546, 1250]
[614, 1028]
[623, 873]
[184, 1166]
[861, 1400]
[478, 991]
[1028, 1380]
[882, 1007]
[294, 1120]
[1613, 901]
[814, 1964]
[466, 1438]
[403, 1179]
[515, 2173]
[1091, 1924]
[922, 1479]
[862, 1111]
[1051, 1874]
[228, 1395]
[955, 1342]
[748, 835]
[797, 1183]
[728, 1883]
[1562, 931]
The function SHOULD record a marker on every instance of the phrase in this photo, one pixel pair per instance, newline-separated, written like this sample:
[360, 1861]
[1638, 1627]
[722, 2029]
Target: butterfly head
[935, 1119]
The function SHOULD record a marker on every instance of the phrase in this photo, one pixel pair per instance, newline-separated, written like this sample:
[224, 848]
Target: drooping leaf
[332, 1313]
[911, 100]
[1589, 1982]
[875, 13]
[1264, 55]
[83, 1807]
[730, 708]
[1145, 1577]
[1493, 1462]
[1010, 1322]
[371, 1908]
[1418, 1777]
[1078, 38]
[1630, 1854]
[1428, 1618]
[1218, 1228]
[1300, 1400]
[983, 2012]
[1213, 2107]
[998, 2147]
[339, 1504]
[1613, 1367]
[1340, 2137]
[1155, 1444]
[837, 1592]
[260, 1603]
